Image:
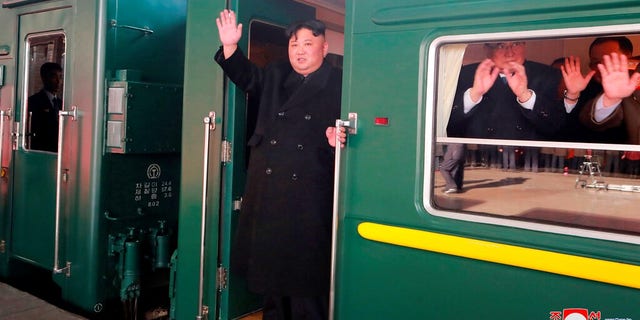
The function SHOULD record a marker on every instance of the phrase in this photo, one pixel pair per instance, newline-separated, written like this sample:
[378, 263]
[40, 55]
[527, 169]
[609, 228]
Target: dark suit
[283, 240]
[621, 126]
[500, 116]
[44, 122]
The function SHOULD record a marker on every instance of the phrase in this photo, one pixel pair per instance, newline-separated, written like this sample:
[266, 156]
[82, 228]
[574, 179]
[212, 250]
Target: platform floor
[546, 197]
[19, 305]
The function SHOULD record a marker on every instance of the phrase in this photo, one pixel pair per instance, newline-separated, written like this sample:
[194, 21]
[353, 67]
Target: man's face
[503, 53]
[52, 81]
[598, 51]
[306, 51]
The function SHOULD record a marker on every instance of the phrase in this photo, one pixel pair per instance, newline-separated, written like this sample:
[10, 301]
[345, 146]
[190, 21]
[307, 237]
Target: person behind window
[452, 168]
[283, 239]
[43, 109]
[507, 97]
[607, 99]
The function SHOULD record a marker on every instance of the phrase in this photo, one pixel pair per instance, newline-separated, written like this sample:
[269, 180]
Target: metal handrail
[351, 126]
[73, 113]
[209, 125]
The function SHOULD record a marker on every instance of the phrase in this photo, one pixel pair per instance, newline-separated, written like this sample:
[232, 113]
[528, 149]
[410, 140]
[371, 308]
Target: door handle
[3, 114]
[351, 127]
[209, 125]
[73, 113]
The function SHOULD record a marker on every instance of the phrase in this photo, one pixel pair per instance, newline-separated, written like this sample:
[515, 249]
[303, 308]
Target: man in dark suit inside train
[43, 109]
[507, 97]
[606, 97]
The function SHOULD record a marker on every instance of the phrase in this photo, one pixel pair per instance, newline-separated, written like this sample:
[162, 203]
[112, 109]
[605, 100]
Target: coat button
[273, 141]
[307, 117]
[300, 147]
[294, 177]
[268, 171]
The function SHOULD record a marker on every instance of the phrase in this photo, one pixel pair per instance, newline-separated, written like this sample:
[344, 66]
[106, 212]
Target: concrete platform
[19, 305]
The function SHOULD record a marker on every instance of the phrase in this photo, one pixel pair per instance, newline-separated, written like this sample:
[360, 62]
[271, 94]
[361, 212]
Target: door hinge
[221, 278]
[225, 148]
[2, 246]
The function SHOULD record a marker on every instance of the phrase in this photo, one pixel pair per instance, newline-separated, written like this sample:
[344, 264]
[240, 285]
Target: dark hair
[558, 61]
[623, 42]
[48, 68]
[317, 27]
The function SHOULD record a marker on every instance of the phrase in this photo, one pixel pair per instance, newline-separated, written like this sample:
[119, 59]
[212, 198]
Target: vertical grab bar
[351, 125]
[209, 125]
[73, 113]
[3, 114]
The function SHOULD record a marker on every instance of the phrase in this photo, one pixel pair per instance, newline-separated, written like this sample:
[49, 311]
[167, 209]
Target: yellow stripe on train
[622, 274]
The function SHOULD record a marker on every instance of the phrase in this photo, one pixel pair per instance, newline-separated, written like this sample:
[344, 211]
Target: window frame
[428, 95]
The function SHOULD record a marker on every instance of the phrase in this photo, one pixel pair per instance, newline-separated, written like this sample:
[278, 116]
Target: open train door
[205, 283]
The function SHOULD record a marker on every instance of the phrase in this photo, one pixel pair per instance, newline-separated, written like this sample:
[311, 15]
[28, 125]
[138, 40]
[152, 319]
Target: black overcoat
[283, 239]
[500, 116]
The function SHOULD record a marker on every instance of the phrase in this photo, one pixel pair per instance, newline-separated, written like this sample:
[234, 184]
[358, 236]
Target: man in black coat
[507, 97]
[43, 108]
[283, 240]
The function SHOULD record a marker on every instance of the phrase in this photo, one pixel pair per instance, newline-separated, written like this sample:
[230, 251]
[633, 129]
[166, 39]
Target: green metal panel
[144, 118]
[157, 53]
[202, 94]
[390, 36]
[7, 99]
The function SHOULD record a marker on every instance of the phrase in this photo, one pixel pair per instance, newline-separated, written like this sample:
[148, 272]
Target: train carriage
[553, 244]
[90, 219]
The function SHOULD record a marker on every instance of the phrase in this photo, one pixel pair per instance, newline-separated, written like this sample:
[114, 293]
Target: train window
[553, 164]
[44, 88]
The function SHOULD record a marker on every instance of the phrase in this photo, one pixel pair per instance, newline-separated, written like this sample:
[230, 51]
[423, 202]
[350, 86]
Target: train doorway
[264, 41]
[37, 190]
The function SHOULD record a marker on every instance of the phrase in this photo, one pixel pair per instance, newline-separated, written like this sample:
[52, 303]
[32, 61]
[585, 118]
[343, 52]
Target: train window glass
[43, 90]
[547, 166]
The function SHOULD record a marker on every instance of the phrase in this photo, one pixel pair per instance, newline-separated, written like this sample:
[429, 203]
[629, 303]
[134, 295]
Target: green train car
[89, 217]
[558, 241]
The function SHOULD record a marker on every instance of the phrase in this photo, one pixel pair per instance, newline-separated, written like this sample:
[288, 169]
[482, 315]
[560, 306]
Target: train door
[219, 291]
[36, 189]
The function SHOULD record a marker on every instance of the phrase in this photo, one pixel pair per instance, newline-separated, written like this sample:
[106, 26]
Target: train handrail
[73, 113]
[351, 126]
[3, 114]
[209, 125]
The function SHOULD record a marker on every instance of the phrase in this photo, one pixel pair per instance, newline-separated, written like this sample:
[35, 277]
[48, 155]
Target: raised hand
[229, 31]
[517, 80]
[484, 78]
[616, 81]
[574, 81]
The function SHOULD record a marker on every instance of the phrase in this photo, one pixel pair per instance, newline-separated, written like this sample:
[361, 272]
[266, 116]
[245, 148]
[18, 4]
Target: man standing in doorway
[283, 240]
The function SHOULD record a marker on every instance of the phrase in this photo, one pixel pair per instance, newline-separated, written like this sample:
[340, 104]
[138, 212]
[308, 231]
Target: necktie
[57, 103]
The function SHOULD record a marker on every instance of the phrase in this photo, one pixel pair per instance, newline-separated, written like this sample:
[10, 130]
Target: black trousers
[295, 308]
